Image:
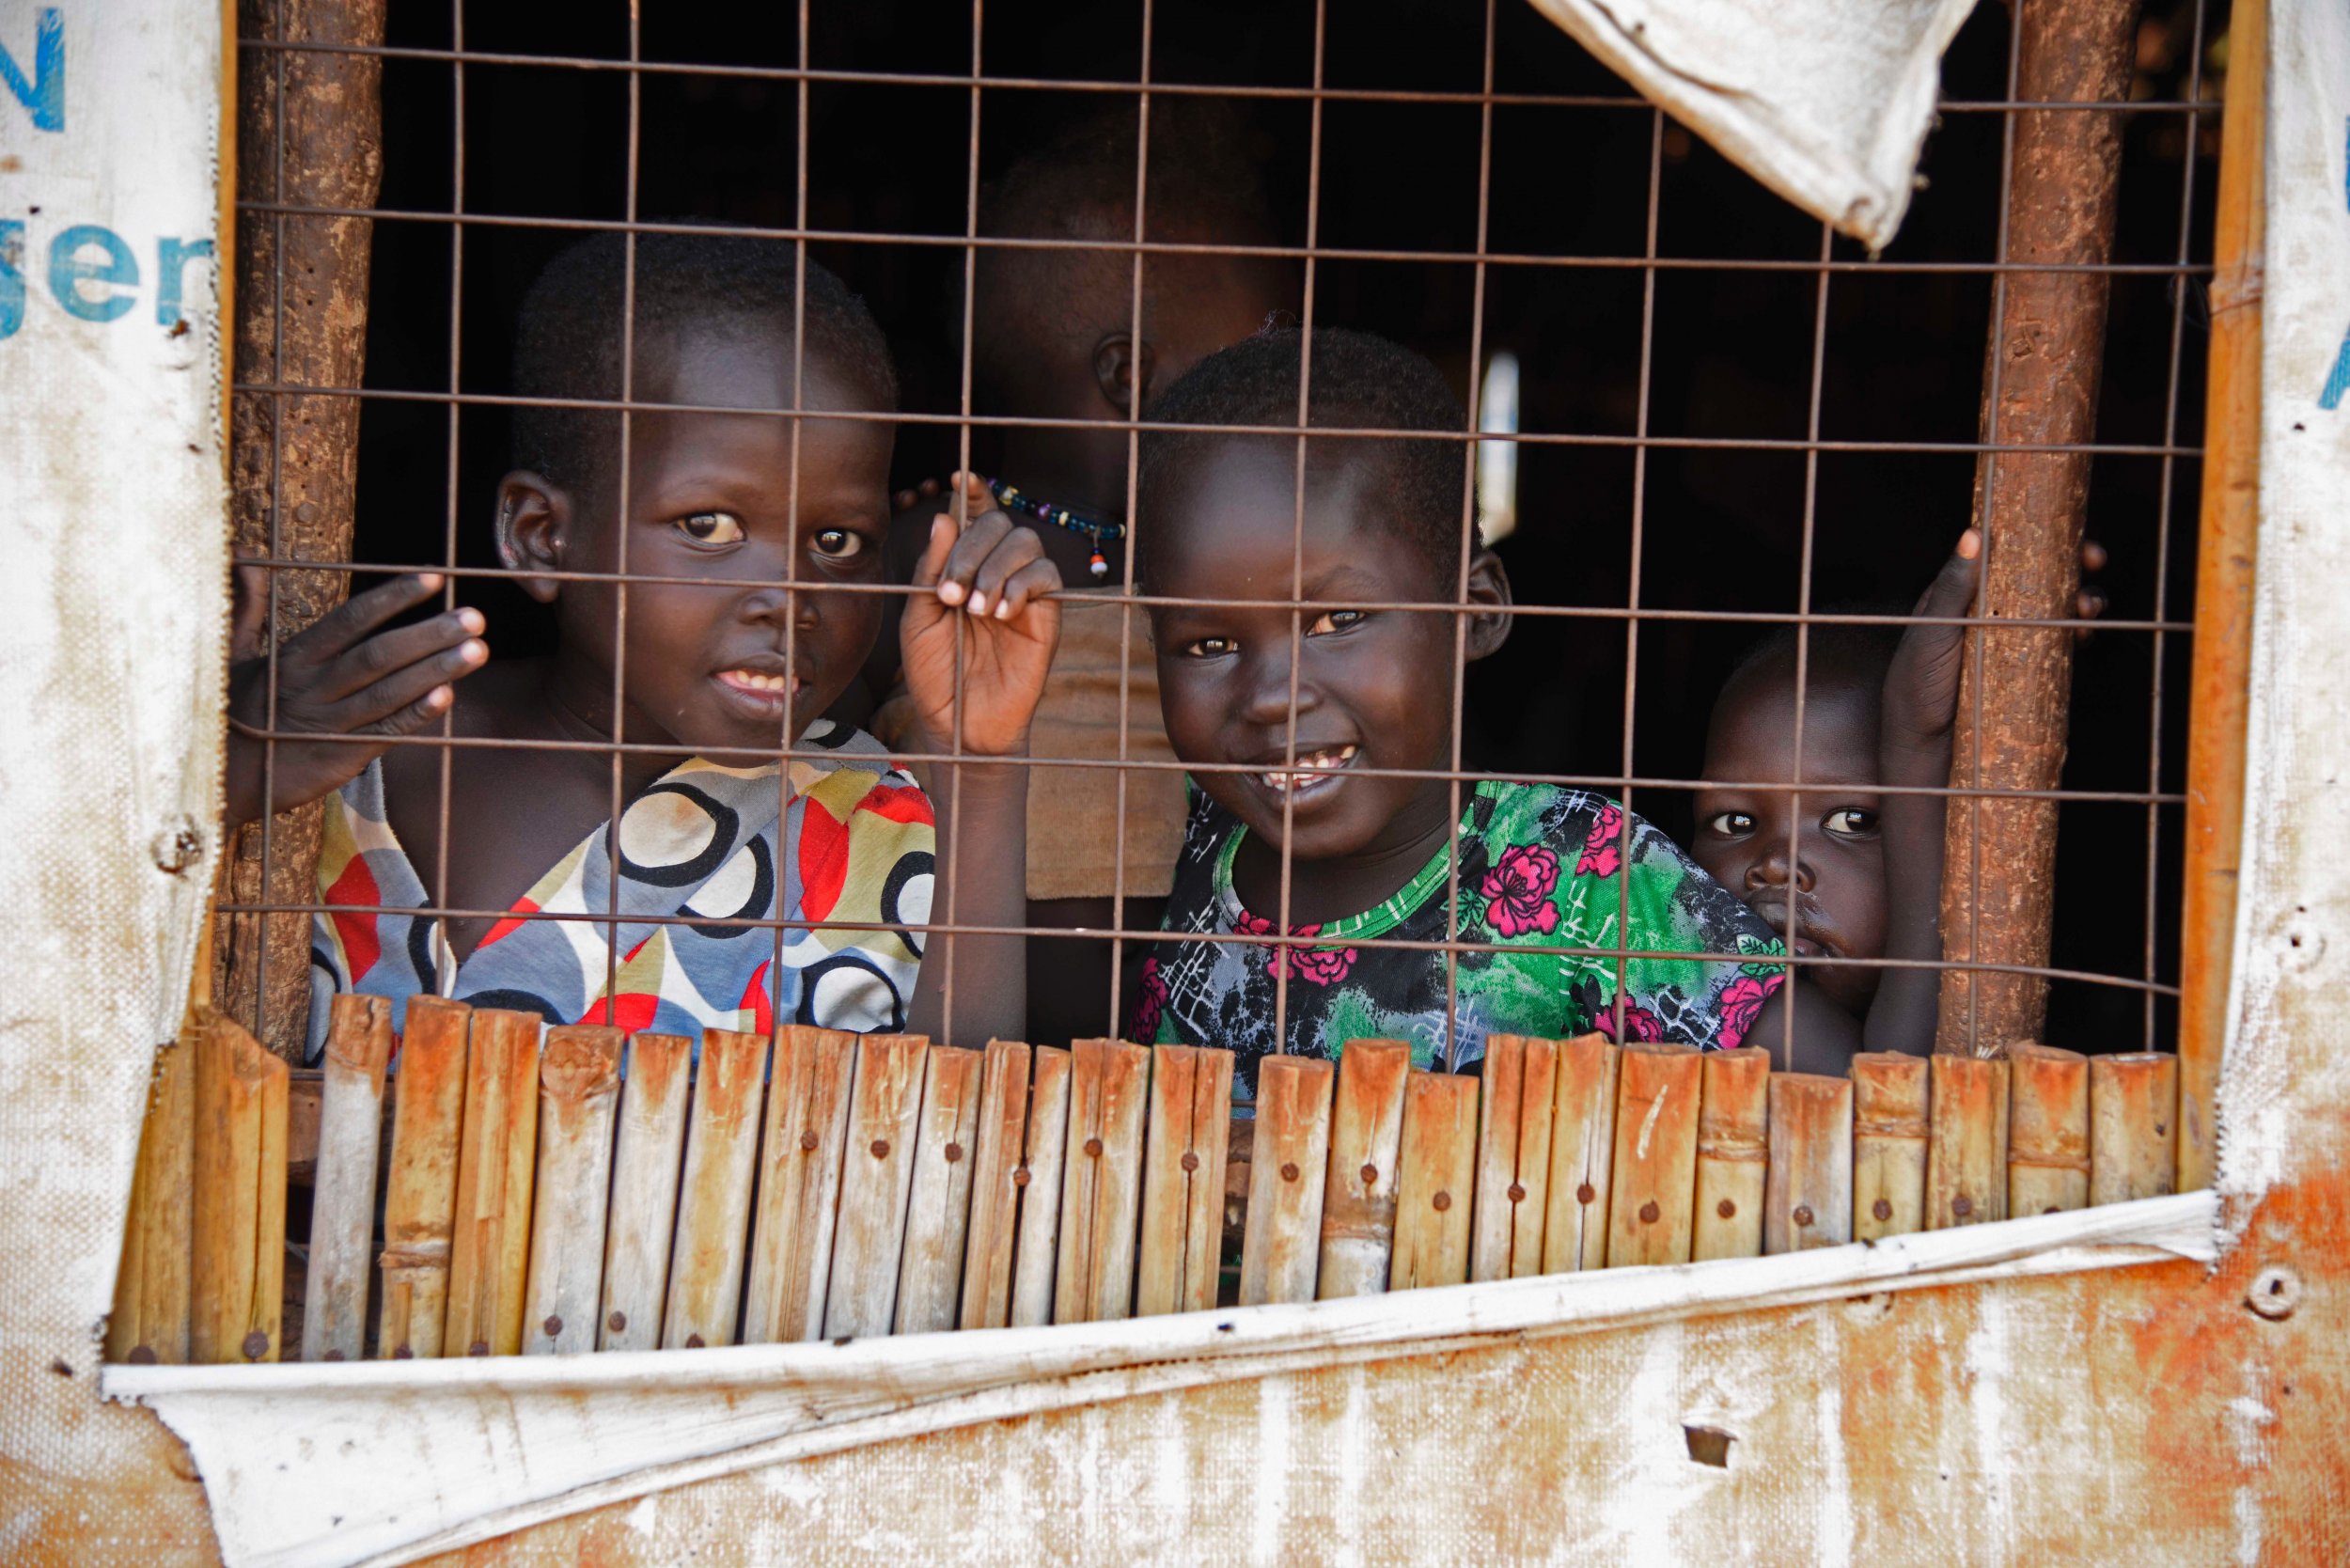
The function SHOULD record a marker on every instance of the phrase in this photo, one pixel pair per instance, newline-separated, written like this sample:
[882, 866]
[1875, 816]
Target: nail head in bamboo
[579, 1092]
[1512, 1157]
[801, 1156]
[646, 1166]
[1182, 1180]
[237, 1269]
[713, 1214]
[1437, 1170]
[994, 1192]
[1036, 1258]
[1734, 1153]
[1366, 1143]
[1287, 1167]
[420, 1191]
[1967, 1141]
[342, 1204]
[2047, 1131]
[149, 1323]
[490, 1255]
[1101, 1201]
[1809, 1198]
[1650, 1213]
[938, 1210]
[1582, 1154]
[884, 1103]
[1888, 1181]
[2133, 1099]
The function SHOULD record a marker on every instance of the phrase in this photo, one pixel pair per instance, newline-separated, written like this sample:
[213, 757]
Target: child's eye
[1729, 825]
[712, 528]
[1334, 621]
[839, 544]
[1211, 648]
[1850, 822]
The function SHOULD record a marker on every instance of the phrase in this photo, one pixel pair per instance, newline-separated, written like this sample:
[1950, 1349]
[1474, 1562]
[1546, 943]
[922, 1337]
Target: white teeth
[1317, 762]
[758, 681]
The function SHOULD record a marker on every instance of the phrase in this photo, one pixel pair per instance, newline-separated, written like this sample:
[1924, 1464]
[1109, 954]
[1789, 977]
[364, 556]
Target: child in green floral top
[1304, 730]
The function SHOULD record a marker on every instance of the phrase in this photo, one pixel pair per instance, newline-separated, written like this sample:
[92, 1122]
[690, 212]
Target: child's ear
[534, 528]
[1119, 362]
[1488, 589]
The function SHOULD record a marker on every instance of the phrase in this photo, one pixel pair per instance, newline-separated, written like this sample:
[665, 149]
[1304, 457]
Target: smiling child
[758, 526]
[1310, 781]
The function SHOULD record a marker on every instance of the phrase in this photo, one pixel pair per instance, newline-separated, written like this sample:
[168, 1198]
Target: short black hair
[566, 337]
[1862, 654]
[1360, 382]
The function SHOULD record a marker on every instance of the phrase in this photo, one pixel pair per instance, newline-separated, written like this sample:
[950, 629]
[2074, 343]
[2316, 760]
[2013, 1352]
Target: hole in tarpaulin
[1709, 1445]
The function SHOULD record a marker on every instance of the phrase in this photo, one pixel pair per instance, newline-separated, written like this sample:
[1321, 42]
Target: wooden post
[421, 1193]
[237, 1268]
[1966, 1142]
[149, 1323]
[2047, 1131]
[1809, 1202]
[645, 1169]
[1101, 1198]
[996, 1173]
[1512, 1157]
[801, 1158]
[884, 1105]
[1733, 1154]
[1582, 1156]
[2044, 364]
[713, 1213]
[2133, 1148]
[579, 1092]
[1358, 1197]
[490, 1255]
[1287, 1169]
[1652, 1209]
[1888, 1177]
[1436, 1171]
[2226, 571]
[938, 1210]
[295, 455]
[1182, 1180]
[1036, 1258]
[342, 1204]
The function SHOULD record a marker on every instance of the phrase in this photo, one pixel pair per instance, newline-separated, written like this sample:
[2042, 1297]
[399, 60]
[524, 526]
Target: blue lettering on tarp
[2329, 395]
[171, 259]
[44, 95]
[68, 273]
[11, 279]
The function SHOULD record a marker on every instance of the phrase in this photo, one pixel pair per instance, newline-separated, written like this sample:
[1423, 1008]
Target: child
[704, 675]
[1294, 795]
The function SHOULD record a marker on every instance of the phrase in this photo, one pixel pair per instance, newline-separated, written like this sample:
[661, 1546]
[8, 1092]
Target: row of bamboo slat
[539, 1199]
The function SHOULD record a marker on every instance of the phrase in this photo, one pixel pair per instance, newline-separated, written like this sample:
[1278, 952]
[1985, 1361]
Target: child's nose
[1266, 699]
[1770, 870]
[776, 606]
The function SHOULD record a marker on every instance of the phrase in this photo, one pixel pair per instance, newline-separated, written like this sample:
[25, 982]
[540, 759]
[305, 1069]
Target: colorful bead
[1010, 499]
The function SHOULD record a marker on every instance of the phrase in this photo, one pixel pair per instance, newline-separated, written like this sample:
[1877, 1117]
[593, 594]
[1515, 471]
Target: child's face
[1374, 688]
[1832, 901]
[709, 497]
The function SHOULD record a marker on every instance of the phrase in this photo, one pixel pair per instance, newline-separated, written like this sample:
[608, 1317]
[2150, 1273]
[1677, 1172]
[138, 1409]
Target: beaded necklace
[1097, 529]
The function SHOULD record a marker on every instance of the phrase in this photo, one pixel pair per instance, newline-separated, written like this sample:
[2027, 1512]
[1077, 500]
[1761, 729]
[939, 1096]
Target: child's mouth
[1316, 771]
[768, 691]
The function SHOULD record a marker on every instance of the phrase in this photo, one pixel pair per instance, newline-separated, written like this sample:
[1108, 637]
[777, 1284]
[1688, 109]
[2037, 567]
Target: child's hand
[1922, 684]
[340, 677]
[987, 580]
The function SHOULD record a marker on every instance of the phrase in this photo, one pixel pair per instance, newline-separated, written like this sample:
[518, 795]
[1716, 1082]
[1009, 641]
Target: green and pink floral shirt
[1565, 890]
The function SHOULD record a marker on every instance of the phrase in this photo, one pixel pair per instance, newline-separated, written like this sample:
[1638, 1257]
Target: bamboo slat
[713, 1211]
[1182, 1180]
[996, 1172]
[1582, 1155]
[1512, 1157]
[884, 1103]
[938, 1210]
[1810, 1197]
[1100, 1199]
[801, 1156]
[2132, 1139]
[342, 1202]
[149, 1323]
[1288, 1167]
[1436, 1167]
[579, 1092]
[1889, 1178]
[490, 1251]
[238, 1263]
[1734, 1153]
[420, 1192]
[1967, 1141]
[2047, 1130]
[1651, 1210]
[644, 1170]
[1035, 1264]
[1366, 1142]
